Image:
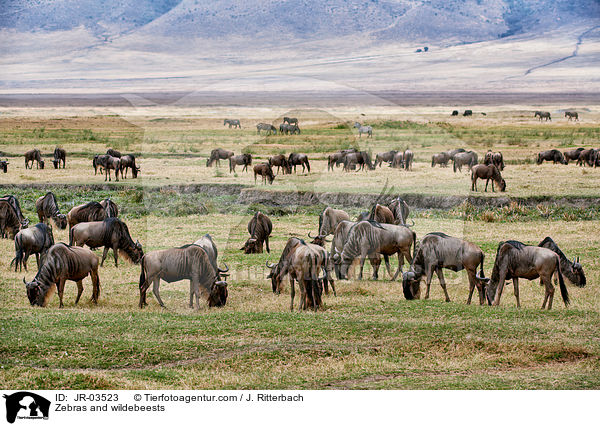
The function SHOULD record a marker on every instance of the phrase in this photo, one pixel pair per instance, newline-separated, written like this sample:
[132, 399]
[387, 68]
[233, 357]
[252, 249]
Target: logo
[26, 405]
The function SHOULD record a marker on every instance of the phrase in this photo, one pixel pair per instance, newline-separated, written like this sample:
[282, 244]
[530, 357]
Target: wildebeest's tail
[563, 288]
[71, 236]
[18, 260]
[454, 166]
[143, 273]
[307, 165]
[481, 273]
[414, 243]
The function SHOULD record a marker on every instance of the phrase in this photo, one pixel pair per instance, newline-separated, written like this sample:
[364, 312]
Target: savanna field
[366, 337]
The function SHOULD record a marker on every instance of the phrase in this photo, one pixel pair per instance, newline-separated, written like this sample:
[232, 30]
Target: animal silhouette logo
[26, 405]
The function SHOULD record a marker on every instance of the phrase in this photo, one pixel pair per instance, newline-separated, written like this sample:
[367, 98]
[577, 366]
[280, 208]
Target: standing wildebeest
[35, 240]
[60, 155]
[454, 113]
[553, 155]
[295, 159]
[218, 154]
[587, 156]
[47, 207]
[63, 263]
[467, 113]
[380, 214]
[89, 212]
[242, 159]
[4, 165]
[437, 251]
[128, 162]
[481, 171]
[264, 170]
[209, 246]
[290, 120]
[188, 262]
[363, 129]
[572, 270]
[543, 115]
[468, 158]
[289, 129]
[361, 159]
[112, 163]
[110, 207]
[340, 236]
[572, 155]
[384, 157]
[280, 161]
[372, 239]
[34, 155]
[329, 220]
[442, 159]
[400, 210]
[232, 123]
[112, 233]
[338, 158]
[494, 158]
[516, 260]
[572, 115]
[9, 220]
[99, 162]
[14, 202]
[408, 159]
[452, 152]
[398, 161]
[259, 228]
[269, 128]
[113, 153]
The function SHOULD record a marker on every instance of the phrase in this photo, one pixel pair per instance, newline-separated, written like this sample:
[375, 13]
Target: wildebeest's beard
[218, 294]
[578, 274]
[411, 283]
[490, 290]
[36, 295]
[61, 221]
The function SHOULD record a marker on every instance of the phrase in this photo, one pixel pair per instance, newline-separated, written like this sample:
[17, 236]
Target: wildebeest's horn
[270, 266]
[410, 226]
[223, 270]
[221, 283]
[577, 259]
[310, 236]
[24, 282]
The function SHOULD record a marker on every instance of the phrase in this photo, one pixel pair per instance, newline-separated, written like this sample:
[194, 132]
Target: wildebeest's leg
[292, 293]
[115, 254]
[375, 262]
[95, 285]
[471, 276]
[79, 291]
[486, 184]
[516, 290]
[155, 286]
[61, 289]
[104, 254]
[362, 265]
[440, 275]
[386, 258]
[191, 305]
[267, 244]
[196, 286]
[428, 280]
[501, 281]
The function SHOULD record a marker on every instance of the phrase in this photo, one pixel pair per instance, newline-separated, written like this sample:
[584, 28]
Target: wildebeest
[340, 236]
[4, 165]
[259, 228]
[543, 115]
[269, 128]
[63, 263]
[398, 161]
[128, 162]
[60, 155]
[111, 233]
[232, 123]
[99, 162]
[408, 159]
[455, 112]
[572, 155]
[386, 157]
[362, 159]
[218, 154]
[110, 207]
[468, 158]
[9, 220]
[587, 156]
[553, 155]
[329, 219]
[379, 213]
[452, 152]
[442, 159]
[209, 246]
[516, 260]
[363, 129]
[88, 212]
[289, 129]
[572, 270]
[113, 153]
[241, 160]
[295, 159]
[372, 239]
[112, 163]
[280, 161]
[467, 113]
[437, 251]
[481, 171]
[572, 115]
[34, 155]
[494, 158]
[188, 262]
[264, 170]
[290, 120]
[14, 202]
[35, 240]
[47, 207]
[400, 210]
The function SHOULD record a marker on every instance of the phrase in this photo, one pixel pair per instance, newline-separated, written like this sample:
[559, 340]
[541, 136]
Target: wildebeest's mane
[550, 244]
[439, 234]
[565, 264]
[53, 265]
[13, 201]
[12, 220]
[49, 205]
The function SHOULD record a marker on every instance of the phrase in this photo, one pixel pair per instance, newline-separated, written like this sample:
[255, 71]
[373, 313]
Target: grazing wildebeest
[372, 239]
[481, 171]
[398, 161]
[290, 120]
[572, 270]
[241, 160]
[34, 155]
[280, 161]
[295, 159]
[437, 251]
[361, 159]
[47, 207]
[494, 158]
[111, 233]
[516, 260]
[232, 123]
[455, 112]
[467, 113]
[113, 153]
[63, 263]
[384, 157]
[89, 212]
[259, 228]
[572, 155]
[270, 129]
[35, 240]
[553, 155]
[408, 159]
[14, 202]
[442, 159]
[110, 207]
[4, 165]
[60, 155]
[380, 214]
[188, 262]
[400, 210]
[468, 158]
[289, 129]
[572, 115]
[112, 163]
[218, 154]
[209, 246]
[338, 158]
[543, 115]
[264, 170]
[363, 129]
[99, 162]
[452, 152]
[587, 156]
[128, 162]
[9, 220]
